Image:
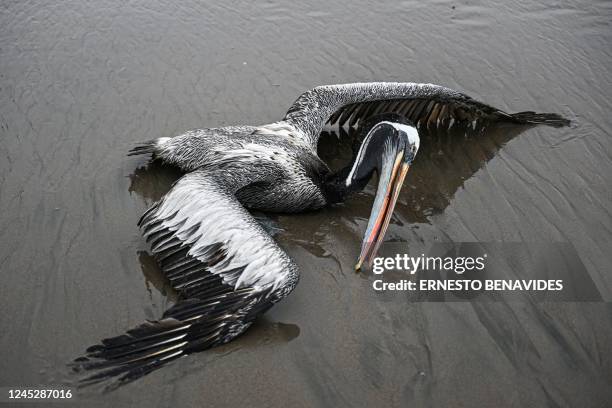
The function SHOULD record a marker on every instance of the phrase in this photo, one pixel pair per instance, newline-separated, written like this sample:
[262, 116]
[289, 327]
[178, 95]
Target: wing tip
[548, 119]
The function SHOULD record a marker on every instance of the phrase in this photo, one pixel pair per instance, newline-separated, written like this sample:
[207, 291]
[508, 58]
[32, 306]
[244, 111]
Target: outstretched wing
[225, 267]
[424, 104]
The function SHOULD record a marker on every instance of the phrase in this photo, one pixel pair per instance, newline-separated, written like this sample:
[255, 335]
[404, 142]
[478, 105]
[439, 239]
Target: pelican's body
[288, 176]
[225, 267]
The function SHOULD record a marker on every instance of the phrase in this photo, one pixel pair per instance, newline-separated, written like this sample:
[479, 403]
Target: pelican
[226, 269]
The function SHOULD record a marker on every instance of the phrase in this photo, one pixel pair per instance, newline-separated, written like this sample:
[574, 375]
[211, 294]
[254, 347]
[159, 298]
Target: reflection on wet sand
[446, 160]
[154, 276]
[152, 180]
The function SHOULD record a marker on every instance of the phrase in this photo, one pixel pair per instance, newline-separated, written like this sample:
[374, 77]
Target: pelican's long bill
[389, 186]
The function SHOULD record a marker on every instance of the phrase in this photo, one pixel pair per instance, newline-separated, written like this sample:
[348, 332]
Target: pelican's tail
[148, 147]
[533, 118]
[154, 147]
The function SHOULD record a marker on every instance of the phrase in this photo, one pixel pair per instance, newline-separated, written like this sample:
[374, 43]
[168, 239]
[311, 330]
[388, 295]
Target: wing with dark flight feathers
[226, 269]
[424, 104]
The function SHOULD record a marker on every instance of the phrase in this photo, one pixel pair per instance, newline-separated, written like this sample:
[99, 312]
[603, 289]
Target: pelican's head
[388, 149]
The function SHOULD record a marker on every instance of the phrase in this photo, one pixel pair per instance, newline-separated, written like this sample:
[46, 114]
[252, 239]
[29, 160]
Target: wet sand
[81, 83]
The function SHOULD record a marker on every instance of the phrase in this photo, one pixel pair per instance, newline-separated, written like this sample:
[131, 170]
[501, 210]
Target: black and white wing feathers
[225, 267]
[424, 104]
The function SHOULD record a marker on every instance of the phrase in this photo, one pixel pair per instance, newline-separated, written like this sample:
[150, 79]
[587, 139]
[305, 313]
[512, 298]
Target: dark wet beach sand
[80, 83]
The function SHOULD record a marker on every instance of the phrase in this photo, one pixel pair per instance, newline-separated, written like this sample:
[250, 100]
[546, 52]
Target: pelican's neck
[336, 189]
[354, 177]
[378, 152]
